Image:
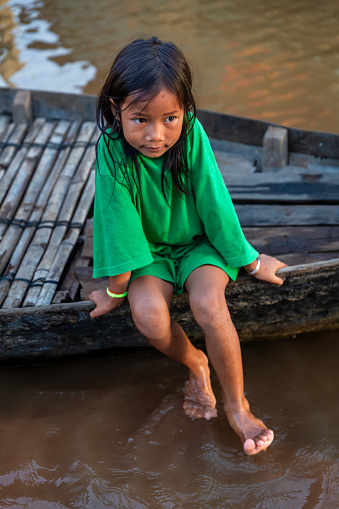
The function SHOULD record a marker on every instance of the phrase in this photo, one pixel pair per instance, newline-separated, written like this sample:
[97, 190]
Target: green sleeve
[119, 243]
[214, 205]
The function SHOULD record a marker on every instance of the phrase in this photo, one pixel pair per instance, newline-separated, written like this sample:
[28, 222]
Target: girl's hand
[268, 269]
[104, 303]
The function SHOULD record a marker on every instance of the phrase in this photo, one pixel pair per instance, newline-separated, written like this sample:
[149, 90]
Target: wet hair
[143, 68]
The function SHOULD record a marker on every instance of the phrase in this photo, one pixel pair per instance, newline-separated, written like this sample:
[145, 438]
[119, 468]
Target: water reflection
[112, 433]
[274, 60]
[34, 53]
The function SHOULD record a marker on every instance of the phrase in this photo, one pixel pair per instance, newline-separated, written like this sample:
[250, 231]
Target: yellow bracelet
[116, 295]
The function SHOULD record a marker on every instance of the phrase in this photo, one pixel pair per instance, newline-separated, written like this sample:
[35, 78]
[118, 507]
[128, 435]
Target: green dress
[144, 233]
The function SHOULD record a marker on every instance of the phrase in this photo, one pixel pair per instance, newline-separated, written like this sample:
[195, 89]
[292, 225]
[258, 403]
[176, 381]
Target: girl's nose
[154, 132]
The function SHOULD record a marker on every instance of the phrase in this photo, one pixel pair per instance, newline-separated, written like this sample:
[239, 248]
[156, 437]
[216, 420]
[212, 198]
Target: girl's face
[152, 127]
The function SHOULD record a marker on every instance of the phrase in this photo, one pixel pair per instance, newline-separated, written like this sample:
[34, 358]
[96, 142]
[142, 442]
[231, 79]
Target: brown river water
[110, 432]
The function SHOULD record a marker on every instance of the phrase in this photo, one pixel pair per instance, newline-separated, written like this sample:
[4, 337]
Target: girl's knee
[151, 317]
[209, 309]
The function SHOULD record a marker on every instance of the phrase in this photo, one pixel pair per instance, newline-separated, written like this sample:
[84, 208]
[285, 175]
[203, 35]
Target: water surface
[112, 433]
[278, 61]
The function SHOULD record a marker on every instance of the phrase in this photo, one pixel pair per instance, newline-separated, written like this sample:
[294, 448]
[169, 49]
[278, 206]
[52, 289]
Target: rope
[49, 144]
[21, 223]
[37, 282]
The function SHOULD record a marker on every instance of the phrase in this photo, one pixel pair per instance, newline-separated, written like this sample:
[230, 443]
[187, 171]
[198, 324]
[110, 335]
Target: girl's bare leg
[149, 298]
[206, 286]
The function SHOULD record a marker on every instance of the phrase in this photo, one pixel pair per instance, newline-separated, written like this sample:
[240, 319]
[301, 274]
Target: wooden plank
[22, 107]
[70, 285]
[65, 105]
[289, 187]
[250, 152]
[251, 132]
[287, 215]
[298, 258]
[313, 163]
[257, 308]
[294, 239]
[234, 163]
[87, 251]
[270, 240]
[6, 100]
[275, 149]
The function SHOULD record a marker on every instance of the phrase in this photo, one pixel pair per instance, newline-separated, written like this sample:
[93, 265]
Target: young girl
[164, 223]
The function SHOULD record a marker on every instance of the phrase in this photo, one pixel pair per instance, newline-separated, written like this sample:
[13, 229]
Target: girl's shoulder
[110, 158]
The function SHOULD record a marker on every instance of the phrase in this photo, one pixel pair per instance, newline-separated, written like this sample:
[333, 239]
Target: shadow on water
[112, 433]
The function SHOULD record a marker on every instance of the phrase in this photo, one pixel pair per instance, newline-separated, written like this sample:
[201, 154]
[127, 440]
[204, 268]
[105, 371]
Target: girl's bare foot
[252, 431]
[199, 397]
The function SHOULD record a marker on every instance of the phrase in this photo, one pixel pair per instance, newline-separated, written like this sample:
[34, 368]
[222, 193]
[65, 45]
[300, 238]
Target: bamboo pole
[4, 126]
[34, 194]
[37, 247]
[19, 157]
[67, 245]
[38, 211]
[23, 177]
[75, 188]
[4, 141]
[16, 134]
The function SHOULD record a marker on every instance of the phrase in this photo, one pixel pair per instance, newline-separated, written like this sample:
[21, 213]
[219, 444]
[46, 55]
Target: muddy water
[275, 60]
[112, 433]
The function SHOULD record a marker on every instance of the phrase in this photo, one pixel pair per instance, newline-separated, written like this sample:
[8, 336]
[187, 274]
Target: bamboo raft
[284, 184]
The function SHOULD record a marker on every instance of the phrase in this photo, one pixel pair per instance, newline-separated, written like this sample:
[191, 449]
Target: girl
[164, 223]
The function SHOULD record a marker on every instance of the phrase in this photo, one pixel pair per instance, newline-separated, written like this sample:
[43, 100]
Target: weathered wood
[234, 163]
[4, 125]
[291, 187]
[16, 134]
[32, 194]
[275, 148]
[65, 329]
[70, 286]
[22, 107]
[35, 217]
[251, 132]
[68, 243]
[23, 177]
[294, 239]
[87, 251]
[15, 165]
[61, 242]
[284, 215]
[37, 248]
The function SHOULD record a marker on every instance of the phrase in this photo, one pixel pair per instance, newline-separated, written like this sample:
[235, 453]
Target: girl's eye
[171, 118]
[139, 120]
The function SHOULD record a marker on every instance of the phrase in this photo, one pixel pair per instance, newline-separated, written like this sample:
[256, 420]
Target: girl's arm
[104, 303]
[268, 268]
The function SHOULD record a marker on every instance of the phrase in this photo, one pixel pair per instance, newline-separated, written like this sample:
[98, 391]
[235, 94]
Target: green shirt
[129, 226]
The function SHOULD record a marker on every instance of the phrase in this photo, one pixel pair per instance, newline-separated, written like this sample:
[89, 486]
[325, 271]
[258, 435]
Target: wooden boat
[284, 183]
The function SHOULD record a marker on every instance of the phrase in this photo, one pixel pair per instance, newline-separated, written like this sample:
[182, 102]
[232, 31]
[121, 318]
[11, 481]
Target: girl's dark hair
[143, 68]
